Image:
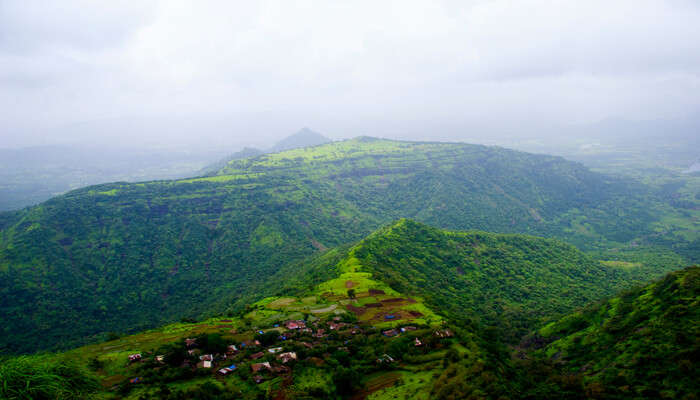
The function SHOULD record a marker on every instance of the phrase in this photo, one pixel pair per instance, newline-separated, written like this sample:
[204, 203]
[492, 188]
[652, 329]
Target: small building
[250, 343]
[408, 328]
[297, 324]
[288, 356]
[390, 333]
[257, 355]
[417, 342]
[135, 357]
[320, 333]
[260, 366]
[204, 364]
[189, 343]
[274, 350]
[135, 380]
[232, 348]
[160, 358]
[227, 370]
[207, 357]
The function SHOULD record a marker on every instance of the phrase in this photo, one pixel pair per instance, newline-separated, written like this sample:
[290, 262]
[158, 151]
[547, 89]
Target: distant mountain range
[31, 175]
[303, 138]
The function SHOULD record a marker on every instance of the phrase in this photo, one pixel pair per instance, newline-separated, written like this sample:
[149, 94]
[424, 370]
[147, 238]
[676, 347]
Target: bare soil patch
[356, 310]
[375, 384]
[393, 300]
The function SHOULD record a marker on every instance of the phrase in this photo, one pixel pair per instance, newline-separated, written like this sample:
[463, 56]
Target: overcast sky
[227, 72]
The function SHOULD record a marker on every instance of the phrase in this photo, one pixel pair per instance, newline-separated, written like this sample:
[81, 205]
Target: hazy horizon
[233, 74]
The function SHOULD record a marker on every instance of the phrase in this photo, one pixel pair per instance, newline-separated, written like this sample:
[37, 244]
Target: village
[376, 333]
[275, 351]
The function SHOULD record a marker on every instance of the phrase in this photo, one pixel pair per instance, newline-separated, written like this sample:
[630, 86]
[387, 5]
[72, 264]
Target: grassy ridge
[514, 281]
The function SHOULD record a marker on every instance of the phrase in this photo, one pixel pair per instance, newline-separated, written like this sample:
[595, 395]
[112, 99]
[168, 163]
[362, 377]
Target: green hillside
[644, 343]
[125, 257]
[511, 280]
[360, 338]
[404, 314]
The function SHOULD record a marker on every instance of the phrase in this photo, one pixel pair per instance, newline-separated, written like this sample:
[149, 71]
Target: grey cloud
[69, 69]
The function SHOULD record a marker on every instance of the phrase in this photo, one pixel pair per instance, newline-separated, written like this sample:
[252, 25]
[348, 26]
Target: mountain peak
[305, 137]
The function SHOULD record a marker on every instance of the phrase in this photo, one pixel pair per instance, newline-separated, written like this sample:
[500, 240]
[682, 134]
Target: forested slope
[408, 312]
[509, 280]
[123, 257]
[644, 343]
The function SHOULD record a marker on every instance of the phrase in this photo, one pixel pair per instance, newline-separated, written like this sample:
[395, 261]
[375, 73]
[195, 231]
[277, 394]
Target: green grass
[43, 377]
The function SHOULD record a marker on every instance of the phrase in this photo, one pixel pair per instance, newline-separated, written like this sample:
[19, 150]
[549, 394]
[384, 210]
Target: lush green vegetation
[44, 377]
[510, 280]
[345, 352]
[644, 343]
[461, 299]
[126, 257]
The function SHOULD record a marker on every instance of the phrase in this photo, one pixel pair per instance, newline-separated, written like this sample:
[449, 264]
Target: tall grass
[44, 377]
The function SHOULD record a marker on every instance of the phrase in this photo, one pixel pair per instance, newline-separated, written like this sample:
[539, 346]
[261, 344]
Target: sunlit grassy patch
[222, 178]
[621, 264]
